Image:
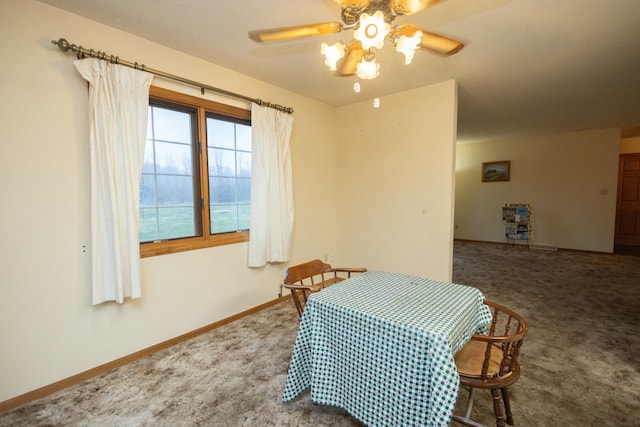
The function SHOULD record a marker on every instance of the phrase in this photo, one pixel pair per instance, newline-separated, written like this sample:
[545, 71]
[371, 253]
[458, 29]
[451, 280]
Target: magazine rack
[518, 222]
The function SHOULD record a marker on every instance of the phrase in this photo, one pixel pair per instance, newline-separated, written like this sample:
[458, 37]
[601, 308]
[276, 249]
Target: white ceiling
[529, 66]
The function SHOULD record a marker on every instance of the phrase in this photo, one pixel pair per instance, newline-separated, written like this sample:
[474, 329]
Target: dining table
[381, 346]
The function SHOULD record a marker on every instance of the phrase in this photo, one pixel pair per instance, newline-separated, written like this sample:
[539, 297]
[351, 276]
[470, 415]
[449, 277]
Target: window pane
[174, 190]
[148, 164]
[148, 225]
[222, 190]
[224, 218]
[176, 222]
[221, 134]
[244, 163]
[166, 223]
[147, 190]
[222, 162]
[243, 216]
[173, 158]
[168, 187]
[243, 137]
[171, 125]
[149, 124]
[244, 189]
[229, 164]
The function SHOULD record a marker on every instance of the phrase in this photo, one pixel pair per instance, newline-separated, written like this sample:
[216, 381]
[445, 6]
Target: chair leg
[507, 406]
[497, 407]
[472, 393]
[466, 420]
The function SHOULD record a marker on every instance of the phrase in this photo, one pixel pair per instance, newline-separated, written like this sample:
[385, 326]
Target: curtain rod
[81, 53]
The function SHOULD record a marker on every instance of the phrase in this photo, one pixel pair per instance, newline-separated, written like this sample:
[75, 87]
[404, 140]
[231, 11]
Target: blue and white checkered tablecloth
[381, 345]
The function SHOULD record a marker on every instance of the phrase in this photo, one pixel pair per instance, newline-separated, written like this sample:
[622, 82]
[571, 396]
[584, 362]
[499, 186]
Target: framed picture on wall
[496, 171]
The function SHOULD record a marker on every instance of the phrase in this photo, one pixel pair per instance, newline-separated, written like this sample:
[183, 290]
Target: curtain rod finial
[62, 43]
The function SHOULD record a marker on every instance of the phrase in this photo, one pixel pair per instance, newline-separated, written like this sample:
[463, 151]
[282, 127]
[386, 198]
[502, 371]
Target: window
[196, 178]
[169, 192]
[229, 154]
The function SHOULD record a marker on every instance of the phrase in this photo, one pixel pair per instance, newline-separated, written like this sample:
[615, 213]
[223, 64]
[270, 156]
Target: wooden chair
[311, 276]
[491, 362]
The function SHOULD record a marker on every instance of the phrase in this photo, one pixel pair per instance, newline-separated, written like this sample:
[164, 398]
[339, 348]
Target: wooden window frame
[207, 239]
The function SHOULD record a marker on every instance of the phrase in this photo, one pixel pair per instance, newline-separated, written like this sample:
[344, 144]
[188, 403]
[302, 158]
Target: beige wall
[396, 181]
[570, 179]
[49, 330]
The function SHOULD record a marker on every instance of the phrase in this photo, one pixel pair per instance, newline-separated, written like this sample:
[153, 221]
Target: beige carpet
[580, 361]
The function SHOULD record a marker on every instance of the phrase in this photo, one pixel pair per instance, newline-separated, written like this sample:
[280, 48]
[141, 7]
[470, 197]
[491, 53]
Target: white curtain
[271, 192]
[118, 104]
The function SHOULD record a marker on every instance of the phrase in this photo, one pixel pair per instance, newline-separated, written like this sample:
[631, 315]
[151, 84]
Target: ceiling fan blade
[353, 55]
[409, 7]
[287, 33]
[430, 41]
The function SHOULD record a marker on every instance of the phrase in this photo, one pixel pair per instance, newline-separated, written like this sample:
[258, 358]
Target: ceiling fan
[372, 22]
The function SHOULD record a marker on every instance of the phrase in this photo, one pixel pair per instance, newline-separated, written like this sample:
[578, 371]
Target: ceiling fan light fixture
[332, 54]
[371, 22]
[408, 45]
[372, 30]
[367, 69]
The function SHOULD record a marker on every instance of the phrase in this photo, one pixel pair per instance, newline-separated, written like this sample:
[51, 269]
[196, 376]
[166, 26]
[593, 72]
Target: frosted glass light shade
[408, 45]
[332, 54]
[367, 70]
[372, 30]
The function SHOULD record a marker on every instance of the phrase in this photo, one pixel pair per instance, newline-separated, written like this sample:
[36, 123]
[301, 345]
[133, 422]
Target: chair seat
[469, 360]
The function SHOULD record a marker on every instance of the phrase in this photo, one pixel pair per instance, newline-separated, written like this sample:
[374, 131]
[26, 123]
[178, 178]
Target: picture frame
[496, 171]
